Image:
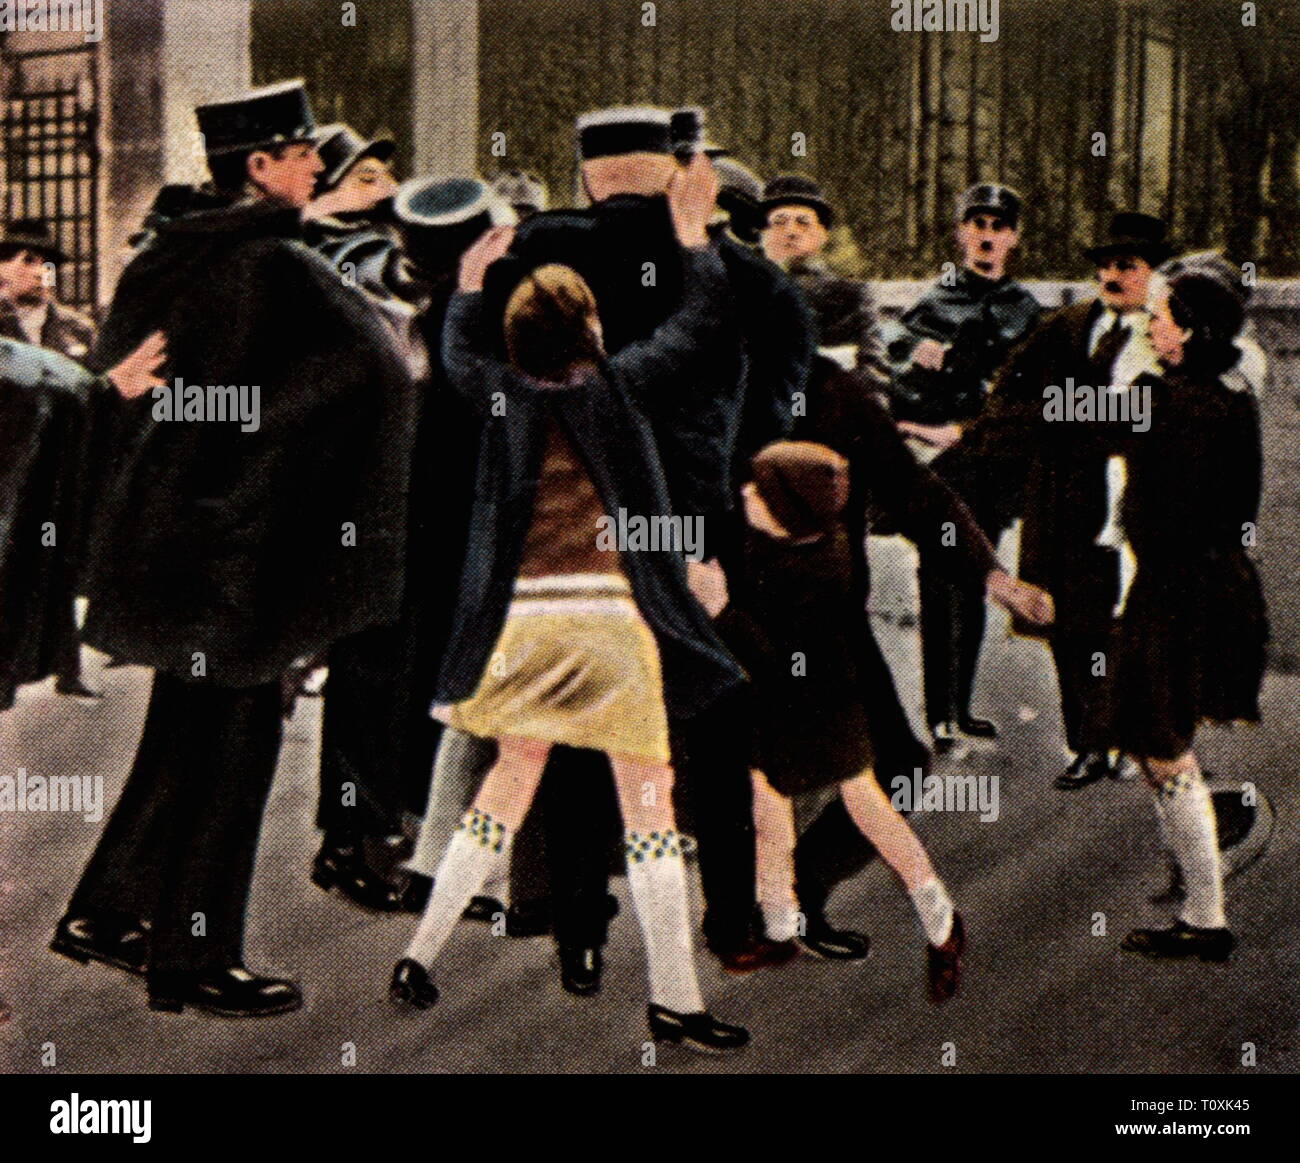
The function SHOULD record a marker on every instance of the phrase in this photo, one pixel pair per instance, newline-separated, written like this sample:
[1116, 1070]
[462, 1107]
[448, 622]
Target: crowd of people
[457, 393]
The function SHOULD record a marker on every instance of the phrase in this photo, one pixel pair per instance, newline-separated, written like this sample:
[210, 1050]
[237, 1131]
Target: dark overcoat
[53, 414]
[601, 414]
[251, 548]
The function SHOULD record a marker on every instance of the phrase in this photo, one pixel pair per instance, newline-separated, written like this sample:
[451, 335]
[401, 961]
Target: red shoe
[943, 963]
[755, 953]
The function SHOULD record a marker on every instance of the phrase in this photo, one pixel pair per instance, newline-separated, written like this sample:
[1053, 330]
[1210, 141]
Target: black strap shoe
[229, 993]
[342, 865]
[831, 944]
[701, 1032]
[580, 968]
[119, 943]
[1087, 768]
[411, 986]
[977, 728]
[943, 963]
[1181, 941]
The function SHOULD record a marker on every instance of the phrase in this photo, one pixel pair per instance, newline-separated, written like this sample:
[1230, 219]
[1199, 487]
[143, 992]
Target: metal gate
[49, 156]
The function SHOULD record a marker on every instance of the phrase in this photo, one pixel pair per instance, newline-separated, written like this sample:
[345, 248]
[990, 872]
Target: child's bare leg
[892, 835]
[774, 841]
[481, 844]
[656, 877]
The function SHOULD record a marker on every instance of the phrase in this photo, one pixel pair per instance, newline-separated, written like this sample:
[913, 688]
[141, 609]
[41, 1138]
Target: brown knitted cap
[804, 485]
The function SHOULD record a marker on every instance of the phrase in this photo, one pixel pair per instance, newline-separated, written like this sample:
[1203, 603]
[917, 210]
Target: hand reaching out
[1026, 602]
[135, 375]
[474, 263]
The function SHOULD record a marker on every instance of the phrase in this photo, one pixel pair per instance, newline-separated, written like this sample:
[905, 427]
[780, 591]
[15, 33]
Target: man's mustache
[1113, 287]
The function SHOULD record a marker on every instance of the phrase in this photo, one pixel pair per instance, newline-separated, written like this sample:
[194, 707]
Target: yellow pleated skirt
[575, 664]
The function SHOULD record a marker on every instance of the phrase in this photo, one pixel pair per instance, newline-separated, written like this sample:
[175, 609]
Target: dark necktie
[1108, 348]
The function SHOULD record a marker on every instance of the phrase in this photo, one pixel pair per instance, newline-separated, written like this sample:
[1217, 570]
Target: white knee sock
[656, 876]
[478, 848]
[935, 909]
[1188, 812]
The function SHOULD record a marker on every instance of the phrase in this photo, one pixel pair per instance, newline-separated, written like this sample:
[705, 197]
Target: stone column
[444, 86]
[159, 59]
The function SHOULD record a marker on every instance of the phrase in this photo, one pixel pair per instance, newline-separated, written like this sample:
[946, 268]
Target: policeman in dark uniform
[942, 355]
[223, 553]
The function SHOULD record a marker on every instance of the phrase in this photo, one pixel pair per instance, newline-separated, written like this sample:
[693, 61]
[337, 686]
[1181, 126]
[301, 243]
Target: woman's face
[1167, 337]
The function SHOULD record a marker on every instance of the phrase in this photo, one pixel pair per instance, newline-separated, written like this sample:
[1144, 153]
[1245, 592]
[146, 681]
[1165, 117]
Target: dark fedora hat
[341, 147]
[30, 234]
[275, 115]
[1142, 235]
[797, 190]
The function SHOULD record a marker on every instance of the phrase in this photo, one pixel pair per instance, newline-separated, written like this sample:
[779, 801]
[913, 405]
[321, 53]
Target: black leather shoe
[580, 969]
[121, 944]
[411, 986]
[343, 866]
[943, 963]
[483, 908]
[944, 736]
[977, 728]
[1087, 768]
[830, 944]
[228, 993]
[1181, 941]
[528, 919]
[701, 1032]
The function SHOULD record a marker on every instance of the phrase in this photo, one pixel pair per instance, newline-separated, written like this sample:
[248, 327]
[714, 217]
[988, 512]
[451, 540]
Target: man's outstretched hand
[135, 375]
[692, 196]
[474, 263]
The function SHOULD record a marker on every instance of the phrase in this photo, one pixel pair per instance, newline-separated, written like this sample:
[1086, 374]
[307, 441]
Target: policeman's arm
[664, 360]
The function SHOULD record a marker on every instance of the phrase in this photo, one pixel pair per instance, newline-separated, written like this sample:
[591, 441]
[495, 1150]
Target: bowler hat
[1142, 235]
[341, 147]
[797, 190]
[275, 115]
[31, 234]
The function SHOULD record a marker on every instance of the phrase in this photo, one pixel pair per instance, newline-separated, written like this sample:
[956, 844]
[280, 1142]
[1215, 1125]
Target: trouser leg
[581, 822]
[226, 762]
[938, 646]
[461, 762]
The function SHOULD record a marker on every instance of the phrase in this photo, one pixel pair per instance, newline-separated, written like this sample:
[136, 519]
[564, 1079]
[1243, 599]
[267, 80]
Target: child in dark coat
[785, 625]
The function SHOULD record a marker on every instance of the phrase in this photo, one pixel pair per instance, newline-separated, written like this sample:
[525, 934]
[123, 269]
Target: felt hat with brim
[341, 147]
[274, 115]
[1140, 235]
[34, 235]
[797, 190]
[805, 486]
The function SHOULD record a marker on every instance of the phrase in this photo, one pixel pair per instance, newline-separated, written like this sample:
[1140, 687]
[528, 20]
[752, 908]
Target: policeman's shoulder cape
[51, 411]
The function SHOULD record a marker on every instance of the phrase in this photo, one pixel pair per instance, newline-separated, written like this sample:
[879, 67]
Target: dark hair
[548, 323]
[230, 170]
[1214, 313]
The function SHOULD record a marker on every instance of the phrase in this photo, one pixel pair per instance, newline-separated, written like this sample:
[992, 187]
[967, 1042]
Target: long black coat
[53, 415]
[238, 545]
[1191, 643]
[601, 415]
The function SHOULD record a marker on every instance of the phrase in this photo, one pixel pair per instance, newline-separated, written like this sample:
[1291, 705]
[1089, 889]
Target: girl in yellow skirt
[563, 637]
